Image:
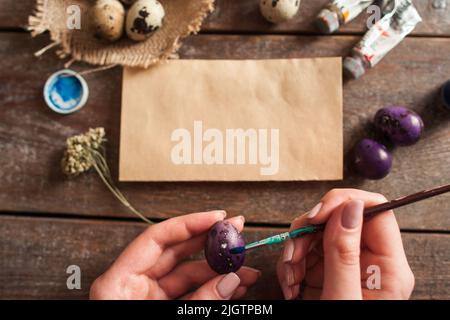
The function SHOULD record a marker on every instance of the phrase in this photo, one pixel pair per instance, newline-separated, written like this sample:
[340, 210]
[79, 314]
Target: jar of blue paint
[66, 91]
[445, 95]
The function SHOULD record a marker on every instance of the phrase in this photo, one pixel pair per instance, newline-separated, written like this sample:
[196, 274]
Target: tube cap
[354, 67]
[327, 21]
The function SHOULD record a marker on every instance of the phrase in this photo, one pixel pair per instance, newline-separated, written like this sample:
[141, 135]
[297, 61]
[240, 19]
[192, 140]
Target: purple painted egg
[400, 125]
[222, 237]
[371, 159]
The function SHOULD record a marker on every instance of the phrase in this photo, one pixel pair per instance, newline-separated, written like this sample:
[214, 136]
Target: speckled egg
[277, 11]
[144, 18]
[108, 19]
[402, 126]
[222, 237]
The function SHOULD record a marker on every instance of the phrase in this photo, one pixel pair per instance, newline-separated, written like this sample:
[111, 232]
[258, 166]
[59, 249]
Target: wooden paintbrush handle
[400, 202]
[397, 203]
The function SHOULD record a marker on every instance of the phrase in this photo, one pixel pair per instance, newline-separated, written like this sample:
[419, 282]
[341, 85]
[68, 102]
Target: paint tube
[382, 37]
[340, 12]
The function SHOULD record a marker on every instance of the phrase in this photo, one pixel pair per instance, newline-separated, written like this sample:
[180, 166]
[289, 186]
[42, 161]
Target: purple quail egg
[402, 126]
[371, 159]
[222, 237]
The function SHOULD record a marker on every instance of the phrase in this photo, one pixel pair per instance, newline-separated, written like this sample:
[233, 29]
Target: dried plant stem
[102, 168]
[85, 151]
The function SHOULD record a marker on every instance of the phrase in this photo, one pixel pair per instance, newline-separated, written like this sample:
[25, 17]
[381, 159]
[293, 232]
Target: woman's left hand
[150, 267]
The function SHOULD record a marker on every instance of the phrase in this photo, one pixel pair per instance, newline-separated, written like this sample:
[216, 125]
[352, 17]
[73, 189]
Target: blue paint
[65, 92]
[446, 95]
[237, 250]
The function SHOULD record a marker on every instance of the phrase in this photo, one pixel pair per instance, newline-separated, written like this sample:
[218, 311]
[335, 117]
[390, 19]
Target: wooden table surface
[48, 222]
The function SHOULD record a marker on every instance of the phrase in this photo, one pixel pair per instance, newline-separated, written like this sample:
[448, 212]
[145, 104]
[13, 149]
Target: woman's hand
[338, 263]
[150, 267]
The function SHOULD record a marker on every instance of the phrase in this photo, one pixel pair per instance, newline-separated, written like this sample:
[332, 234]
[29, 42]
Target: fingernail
[314, 211]
[242, 218]
[223, 212]
[228, 285]
[289, 275]
[288, 251]
[352, 214]
[287, 291]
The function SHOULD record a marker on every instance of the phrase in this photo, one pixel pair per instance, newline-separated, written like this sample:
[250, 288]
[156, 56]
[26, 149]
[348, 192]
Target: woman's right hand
[340, 262]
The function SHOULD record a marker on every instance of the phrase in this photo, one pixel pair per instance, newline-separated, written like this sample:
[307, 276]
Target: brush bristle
[237, 250]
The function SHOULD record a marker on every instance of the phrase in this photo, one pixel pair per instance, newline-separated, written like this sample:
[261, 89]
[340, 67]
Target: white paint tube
[340, 12]
[384, 35]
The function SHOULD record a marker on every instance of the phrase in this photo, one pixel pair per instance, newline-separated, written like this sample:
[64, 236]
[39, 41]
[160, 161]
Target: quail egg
[277, 11]
[143, 19]
[108, 19]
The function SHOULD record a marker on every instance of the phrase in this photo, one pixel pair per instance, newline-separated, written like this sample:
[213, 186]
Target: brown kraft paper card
[233, 120]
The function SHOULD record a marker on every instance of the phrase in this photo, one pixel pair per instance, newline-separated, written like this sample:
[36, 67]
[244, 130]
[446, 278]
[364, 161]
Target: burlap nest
[183, 17]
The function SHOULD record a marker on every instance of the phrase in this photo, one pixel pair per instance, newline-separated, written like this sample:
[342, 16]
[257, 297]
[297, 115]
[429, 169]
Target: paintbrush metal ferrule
[279, 238]
[253, 246]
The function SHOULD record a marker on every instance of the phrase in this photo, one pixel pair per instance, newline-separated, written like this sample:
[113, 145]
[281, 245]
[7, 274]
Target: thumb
[341, 246]
[219, 288]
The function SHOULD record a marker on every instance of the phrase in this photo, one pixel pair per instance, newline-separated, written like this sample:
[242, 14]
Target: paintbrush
[368, 213]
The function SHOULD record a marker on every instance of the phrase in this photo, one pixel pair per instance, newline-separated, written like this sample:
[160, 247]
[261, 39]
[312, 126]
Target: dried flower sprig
[86, 151]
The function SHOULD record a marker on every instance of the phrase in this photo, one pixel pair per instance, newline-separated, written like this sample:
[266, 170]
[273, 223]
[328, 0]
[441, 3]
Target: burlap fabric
[183, 17]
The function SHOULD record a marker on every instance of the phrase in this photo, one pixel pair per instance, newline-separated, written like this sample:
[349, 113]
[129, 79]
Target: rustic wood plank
[32, 137]
[243, 16]
[36, 252]
[14, 14]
